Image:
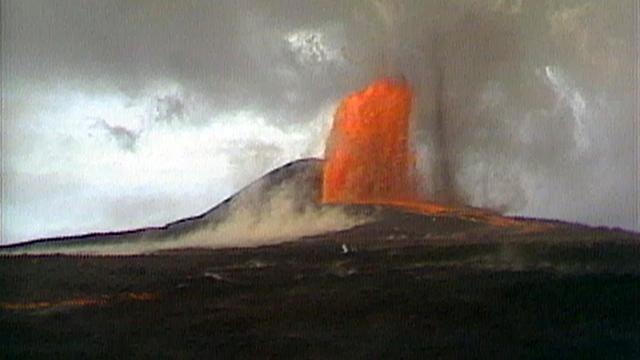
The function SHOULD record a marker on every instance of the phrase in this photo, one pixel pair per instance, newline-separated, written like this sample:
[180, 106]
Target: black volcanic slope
[300, 180]
[407, 286]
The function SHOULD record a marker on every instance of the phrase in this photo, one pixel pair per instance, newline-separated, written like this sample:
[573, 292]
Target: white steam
[273, 221]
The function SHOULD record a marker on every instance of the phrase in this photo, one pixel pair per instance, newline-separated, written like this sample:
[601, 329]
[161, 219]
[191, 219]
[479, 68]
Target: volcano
[273, 272]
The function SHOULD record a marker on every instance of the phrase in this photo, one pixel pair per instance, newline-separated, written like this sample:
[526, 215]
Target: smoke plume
[528, 107]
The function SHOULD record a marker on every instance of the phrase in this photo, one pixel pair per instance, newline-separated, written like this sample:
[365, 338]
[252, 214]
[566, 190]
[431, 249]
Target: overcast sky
[120, 114]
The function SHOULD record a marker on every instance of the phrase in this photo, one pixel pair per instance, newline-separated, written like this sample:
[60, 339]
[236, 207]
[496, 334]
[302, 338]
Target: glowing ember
[368, 156]
[77, 302]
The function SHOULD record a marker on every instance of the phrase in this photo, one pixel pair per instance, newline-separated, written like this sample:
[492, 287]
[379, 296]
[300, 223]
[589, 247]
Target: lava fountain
[369, 157]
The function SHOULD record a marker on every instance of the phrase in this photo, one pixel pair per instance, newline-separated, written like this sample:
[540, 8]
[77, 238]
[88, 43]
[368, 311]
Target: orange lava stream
[77, 302]
[433, 209]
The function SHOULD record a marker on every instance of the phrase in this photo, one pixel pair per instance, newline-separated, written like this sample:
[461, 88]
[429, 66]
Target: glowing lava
[369, 157]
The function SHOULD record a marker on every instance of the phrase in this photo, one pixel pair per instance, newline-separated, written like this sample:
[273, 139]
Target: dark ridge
[305, 169]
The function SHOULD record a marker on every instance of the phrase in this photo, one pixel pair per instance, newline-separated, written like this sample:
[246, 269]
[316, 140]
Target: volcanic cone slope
[279, 206]
[284, 205]
[399, 281]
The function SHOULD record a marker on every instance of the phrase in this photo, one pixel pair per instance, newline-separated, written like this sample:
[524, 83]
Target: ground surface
[411, 286]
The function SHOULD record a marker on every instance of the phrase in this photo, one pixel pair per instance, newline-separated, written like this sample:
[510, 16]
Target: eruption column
[369, 157]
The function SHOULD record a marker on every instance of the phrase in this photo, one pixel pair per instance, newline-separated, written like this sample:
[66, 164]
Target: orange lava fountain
[369, 157]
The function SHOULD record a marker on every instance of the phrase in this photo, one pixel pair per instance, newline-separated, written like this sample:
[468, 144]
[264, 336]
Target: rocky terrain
[389, 282]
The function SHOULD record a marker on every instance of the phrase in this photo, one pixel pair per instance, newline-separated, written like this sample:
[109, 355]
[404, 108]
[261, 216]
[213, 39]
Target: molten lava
[369, 157]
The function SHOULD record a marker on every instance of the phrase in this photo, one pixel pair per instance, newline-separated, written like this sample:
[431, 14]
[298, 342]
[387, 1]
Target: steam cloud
[523, 106]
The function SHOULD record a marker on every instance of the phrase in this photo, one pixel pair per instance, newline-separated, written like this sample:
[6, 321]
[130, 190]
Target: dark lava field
[405, 286]
[464, 283]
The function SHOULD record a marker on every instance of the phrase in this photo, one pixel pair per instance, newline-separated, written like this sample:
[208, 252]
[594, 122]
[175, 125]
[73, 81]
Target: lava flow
[369, 158]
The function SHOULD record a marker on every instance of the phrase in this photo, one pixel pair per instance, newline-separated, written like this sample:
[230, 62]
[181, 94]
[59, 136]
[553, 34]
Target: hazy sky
[120, 114]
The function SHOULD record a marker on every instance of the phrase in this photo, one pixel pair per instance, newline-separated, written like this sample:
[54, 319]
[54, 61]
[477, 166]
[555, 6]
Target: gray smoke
[523, 106]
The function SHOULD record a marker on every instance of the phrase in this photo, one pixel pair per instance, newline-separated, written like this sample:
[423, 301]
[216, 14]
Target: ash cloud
[536, 117]
[126, 139]
[535, 114]
[169, 108]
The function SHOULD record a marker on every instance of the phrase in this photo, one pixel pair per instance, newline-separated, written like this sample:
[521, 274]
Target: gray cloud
[126, 139]
[538, 98]
[169, 108]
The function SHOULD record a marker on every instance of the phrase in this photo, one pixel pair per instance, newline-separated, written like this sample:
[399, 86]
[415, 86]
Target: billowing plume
[523, 106]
